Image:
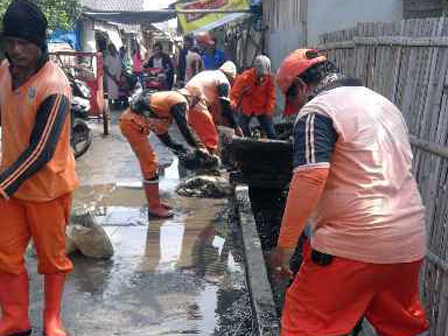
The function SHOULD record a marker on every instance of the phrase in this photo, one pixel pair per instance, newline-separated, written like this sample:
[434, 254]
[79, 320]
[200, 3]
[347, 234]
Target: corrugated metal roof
[130, 17]
[114, 5]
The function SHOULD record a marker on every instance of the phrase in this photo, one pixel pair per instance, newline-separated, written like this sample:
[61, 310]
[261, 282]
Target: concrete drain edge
[262, 300]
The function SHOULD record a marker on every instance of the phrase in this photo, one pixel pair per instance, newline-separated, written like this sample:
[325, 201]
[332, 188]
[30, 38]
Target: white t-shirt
[158, 62]
[370, 209]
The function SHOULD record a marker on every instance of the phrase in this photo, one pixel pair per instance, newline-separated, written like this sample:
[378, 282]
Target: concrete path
[182, 276]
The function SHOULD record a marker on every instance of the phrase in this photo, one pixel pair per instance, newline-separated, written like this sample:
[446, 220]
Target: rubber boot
[54, 287]
[155, 208]
[14, 301]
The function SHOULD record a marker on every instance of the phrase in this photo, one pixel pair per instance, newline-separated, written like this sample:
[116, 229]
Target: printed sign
[197, 21]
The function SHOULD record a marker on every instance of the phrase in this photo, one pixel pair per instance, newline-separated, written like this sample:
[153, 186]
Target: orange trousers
[45, 222]
[202, 122]
[330, 300]
[138, 139]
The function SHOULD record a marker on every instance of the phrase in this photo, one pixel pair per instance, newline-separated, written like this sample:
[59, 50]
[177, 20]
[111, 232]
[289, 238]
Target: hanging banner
[201, 21]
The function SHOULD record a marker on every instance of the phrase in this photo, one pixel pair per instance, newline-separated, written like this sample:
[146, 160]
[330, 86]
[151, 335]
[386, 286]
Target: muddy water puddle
[180, 276]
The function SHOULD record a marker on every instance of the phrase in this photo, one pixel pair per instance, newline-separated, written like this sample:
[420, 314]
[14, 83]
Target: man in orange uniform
[37, 172]
[253, 94]
[215, 86]
[154, 112]
[352, 162]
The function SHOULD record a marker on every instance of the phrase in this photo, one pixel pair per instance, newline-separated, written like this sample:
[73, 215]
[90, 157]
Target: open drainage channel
[259, 234]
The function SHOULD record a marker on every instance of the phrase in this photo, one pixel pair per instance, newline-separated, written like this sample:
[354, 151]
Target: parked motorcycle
[81, 135]
[155, 79]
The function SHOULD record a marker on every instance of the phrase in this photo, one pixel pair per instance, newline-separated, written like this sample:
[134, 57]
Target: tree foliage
[61, 14]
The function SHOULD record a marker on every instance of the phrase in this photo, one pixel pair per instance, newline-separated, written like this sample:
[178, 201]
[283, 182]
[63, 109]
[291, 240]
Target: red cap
[293, 66]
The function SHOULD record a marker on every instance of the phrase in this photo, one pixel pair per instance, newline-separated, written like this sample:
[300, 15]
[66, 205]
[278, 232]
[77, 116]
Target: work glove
[207, 159]
[199, 159]
[179, 150]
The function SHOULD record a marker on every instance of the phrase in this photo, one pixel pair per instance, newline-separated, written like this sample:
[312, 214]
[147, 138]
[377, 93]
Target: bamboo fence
[407, 62]
[285, 14]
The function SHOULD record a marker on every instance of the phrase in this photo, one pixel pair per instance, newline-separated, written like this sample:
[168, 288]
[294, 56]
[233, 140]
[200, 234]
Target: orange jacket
[37, 161]
[251, 97]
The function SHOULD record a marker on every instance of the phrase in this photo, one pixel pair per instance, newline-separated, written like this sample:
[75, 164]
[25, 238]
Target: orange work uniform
[37, 171]
[251, 97]
[353, 172]
[208, 83]
[136, 128]
[204, 117]
[202, 122]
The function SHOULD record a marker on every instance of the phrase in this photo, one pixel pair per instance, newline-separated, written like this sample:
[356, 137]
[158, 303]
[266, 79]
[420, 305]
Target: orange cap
[293, 66]
[204, 37]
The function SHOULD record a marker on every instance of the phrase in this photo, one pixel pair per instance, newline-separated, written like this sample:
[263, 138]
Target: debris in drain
[89, 238]
[205, 186]
[199, 160]
[237, 319]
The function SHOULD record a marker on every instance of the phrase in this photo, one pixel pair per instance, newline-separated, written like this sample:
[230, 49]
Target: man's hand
[239, 132]
[202, 151]
[279, 262]
[179, 150]
[206, 158]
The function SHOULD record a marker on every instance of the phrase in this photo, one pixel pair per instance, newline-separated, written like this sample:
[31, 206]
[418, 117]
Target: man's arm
[50, 120]
[271, 98]
[314, 142]
[169, 67]
[236, 93]
[182, 65]
[226, 108]
[179, 112]
[177, 148]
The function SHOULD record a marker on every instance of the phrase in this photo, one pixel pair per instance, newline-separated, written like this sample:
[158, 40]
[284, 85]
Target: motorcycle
[81, 135]
[155, 79]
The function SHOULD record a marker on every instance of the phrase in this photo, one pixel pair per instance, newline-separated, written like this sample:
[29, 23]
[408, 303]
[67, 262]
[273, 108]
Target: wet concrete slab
[180, 276]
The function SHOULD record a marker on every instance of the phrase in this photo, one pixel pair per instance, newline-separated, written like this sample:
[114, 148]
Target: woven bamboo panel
[423, 8]
[283, 15]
